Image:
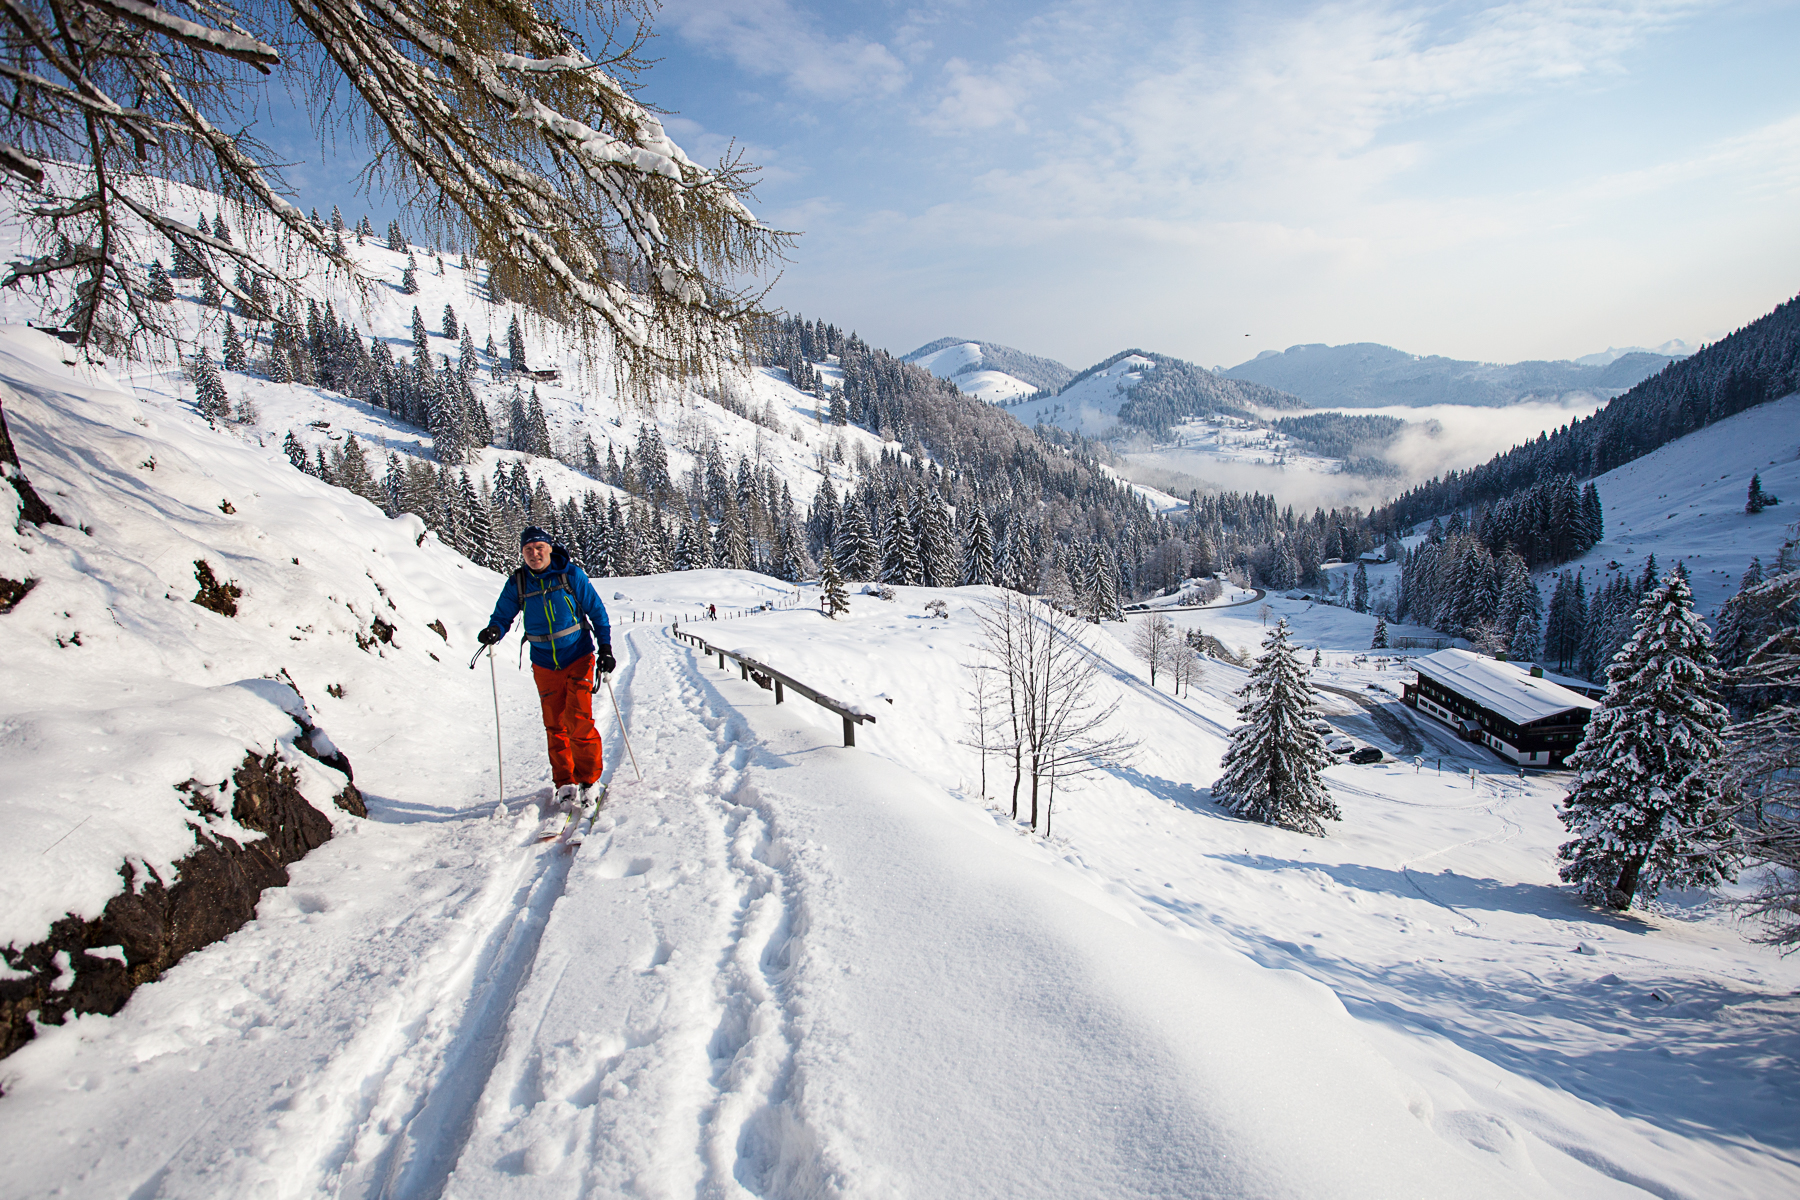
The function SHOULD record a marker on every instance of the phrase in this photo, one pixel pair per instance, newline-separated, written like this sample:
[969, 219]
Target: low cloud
[1437, 438]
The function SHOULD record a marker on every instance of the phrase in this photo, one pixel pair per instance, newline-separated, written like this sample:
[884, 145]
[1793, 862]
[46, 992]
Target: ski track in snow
[674, 1074]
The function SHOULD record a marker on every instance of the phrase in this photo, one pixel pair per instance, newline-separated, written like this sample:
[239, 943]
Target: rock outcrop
[156, 922]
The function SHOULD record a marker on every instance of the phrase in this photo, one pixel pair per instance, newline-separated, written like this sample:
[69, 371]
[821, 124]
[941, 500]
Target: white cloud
[770, 37]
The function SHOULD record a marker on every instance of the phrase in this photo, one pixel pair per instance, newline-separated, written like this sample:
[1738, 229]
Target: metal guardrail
[749, 667]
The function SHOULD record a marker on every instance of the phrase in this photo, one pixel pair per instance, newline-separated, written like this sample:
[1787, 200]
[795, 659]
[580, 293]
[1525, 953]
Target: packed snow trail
[792, 969]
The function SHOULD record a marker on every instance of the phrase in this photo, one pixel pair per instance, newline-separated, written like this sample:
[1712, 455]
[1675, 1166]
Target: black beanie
[531, 533]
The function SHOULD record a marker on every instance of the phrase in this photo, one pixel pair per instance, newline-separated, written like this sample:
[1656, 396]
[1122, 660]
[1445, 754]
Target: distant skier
[712, 613]
[559, 604]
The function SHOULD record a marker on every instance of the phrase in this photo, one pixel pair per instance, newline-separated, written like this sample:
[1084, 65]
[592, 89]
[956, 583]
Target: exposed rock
[215, 892]
[13, 590]
[221, 598]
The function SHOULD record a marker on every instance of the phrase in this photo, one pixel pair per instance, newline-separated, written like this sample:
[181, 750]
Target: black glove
[603, 658]
[490, 635]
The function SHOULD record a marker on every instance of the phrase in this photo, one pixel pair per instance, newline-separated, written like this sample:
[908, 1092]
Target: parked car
[1337, 743]
[1366, 755]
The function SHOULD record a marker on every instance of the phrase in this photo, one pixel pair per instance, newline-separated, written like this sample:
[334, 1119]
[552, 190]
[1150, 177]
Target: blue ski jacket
[554, 603]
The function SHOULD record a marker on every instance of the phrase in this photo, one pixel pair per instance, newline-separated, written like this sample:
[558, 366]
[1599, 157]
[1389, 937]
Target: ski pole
[499, 759]
[622, 733]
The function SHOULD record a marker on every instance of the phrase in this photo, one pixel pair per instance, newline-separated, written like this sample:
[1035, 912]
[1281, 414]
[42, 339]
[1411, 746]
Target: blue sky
[1496, 182]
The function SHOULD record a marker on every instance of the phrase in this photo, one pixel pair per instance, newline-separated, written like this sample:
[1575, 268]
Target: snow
[965, 363]
[1685, 502]
[781, 967]
[777, 966]
[1091, 405]
[1506, 688]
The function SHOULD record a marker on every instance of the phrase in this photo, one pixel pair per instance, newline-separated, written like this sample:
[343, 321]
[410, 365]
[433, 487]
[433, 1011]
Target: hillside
[771, 965]
[1144, 391]
[1368, 375]
[1685, 502]
[997, 374]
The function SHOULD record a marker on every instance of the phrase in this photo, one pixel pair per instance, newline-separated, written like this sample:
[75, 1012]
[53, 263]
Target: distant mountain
[1673, 348]
[1149, 391]
[1368, 375]
[997, 374]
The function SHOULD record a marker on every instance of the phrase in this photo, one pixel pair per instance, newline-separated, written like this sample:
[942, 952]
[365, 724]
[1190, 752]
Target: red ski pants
[568, 699]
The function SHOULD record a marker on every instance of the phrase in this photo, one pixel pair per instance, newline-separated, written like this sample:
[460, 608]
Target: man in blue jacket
[559, 605]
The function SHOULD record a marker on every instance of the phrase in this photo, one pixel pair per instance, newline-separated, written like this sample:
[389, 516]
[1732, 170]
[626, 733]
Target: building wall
[1534, 745]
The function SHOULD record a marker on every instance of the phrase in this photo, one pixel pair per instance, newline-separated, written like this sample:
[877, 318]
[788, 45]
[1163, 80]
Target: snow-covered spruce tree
[899, 549]
[855, 545]
[1359, 593]
[487, 118]
[209, 389]
[1758, 500]
[837, 600]
[409, 278]
[450, 327]
[1272, 766]
[978, 560]
[515, 346]
[1380, 640]
[233, 349]
[1646, 808]
[161, 289]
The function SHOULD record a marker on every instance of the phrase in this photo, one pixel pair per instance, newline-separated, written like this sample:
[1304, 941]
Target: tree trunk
[1627, 887]
[31, 506]
[1034, 791]
[1015, 789]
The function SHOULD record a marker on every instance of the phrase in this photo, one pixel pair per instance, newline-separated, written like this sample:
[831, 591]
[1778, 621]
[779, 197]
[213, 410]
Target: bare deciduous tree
[1052, 724]
[1152, 639]
[1185, 669]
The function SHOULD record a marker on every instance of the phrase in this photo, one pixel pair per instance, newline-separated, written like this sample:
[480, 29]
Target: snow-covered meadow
[781, 967]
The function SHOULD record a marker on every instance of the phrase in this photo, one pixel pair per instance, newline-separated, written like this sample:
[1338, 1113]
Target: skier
[559, 606]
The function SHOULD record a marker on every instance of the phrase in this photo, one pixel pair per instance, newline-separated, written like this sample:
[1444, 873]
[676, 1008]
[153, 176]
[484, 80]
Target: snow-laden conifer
[855, 545]
[899, 549]
[1380, 640]
[1645, 807]
[209, 389]
[161, 289]
[978, 559]
[515, 346]
[1272, 766]
[836, 599]
[233, 347]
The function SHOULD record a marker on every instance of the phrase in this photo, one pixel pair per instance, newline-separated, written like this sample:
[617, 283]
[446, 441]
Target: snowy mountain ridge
[1369, 375]
[987, 371]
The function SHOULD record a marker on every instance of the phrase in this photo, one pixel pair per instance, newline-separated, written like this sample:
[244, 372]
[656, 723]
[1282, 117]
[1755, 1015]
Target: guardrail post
[743, 672]
[849, 732]
[778, 695]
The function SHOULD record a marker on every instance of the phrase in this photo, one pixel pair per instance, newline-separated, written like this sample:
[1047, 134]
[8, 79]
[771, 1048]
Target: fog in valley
[1437, 438]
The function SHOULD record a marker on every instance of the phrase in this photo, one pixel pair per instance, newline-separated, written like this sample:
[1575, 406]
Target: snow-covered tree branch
[488, 119]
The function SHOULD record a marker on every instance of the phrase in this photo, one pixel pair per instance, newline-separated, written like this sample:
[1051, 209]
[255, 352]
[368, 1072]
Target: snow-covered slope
[1091, 404]
[781, 967]
[756, 415]
[1685, 502]
[997, 374]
